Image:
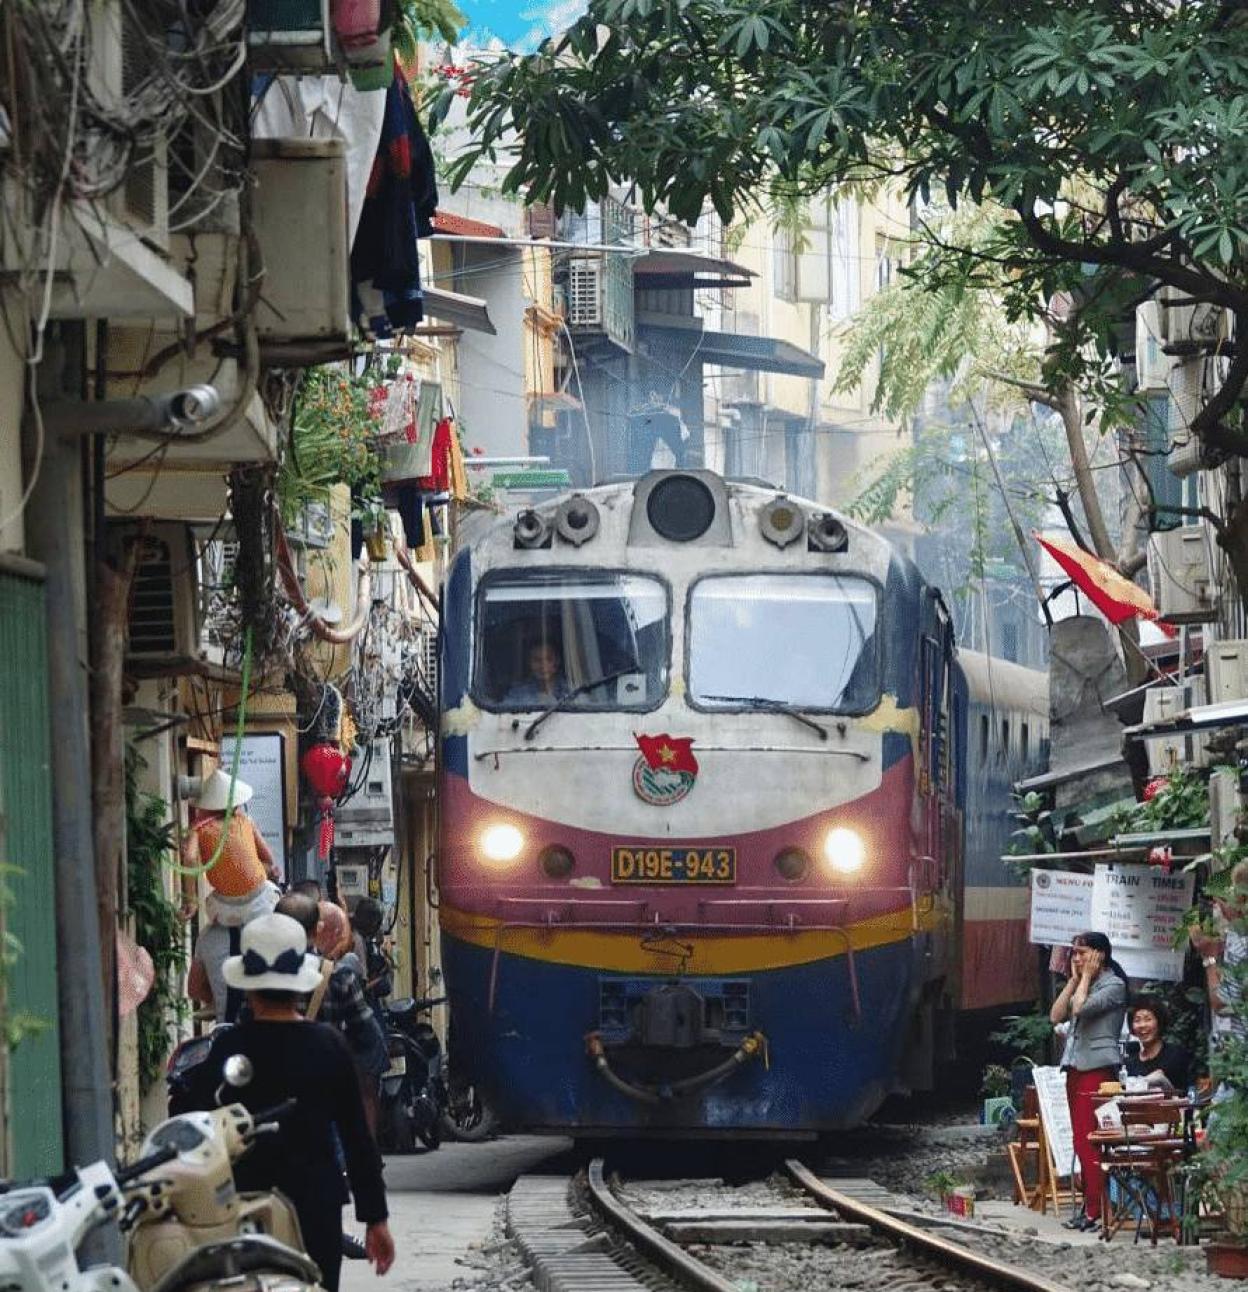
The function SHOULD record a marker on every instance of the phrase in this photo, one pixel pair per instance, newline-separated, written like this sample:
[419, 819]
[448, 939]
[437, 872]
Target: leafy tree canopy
[1115, 133]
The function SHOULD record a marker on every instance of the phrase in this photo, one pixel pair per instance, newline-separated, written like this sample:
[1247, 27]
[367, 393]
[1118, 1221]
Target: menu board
[1055, 1114]
[1061, 906]
[1140, 909]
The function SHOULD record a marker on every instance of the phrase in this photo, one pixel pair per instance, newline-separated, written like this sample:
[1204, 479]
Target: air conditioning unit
[1180, 574]
[1165, 753]
[300, 202]
[1152, 364]
[1226, 671]
[366, 819]
[164, 597]
[1187, 392]
[144, 194]
[1198, 326]
[289, 36]
[1224, 807]
[585, 275]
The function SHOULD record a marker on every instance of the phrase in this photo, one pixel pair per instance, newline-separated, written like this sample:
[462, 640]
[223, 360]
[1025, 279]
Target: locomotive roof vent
[531, 530]
[824, 533]
[680, 507]
[576, 521]
[782, 522]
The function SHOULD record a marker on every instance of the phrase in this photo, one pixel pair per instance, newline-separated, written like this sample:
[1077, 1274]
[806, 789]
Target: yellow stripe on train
[650, 951]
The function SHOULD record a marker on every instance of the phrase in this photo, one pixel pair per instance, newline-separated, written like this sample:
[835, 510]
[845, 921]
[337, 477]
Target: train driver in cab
[545, 683]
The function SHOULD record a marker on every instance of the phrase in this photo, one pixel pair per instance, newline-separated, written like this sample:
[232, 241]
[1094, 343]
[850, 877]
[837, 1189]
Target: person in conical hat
[241, 881]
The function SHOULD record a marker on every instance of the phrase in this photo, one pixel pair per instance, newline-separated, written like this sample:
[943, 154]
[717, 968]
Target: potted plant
[996, 1090]
[375, 522]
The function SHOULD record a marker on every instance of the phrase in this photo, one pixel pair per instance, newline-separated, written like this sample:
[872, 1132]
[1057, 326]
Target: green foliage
[418, 20]
[1181, 804]
[1026, 1035]
[941, 1183]
[995, 1081]
[15, 1025]
[333, 439]
[158, 926]
[1111, 132]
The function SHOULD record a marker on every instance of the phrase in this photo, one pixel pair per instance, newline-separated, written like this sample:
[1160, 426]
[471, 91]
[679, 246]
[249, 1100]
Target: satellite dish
[327, 612]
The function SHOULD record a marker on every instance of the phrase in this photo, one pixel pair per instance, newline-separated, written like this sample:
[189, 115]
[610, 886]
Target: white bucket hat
[234, 912]
[274, 958]
[214, 793]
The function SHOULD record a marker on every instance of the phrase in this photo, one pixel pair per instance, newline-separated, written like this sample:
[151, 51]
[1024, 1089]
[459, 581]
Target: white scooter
[188, 1229]
[43, 1224]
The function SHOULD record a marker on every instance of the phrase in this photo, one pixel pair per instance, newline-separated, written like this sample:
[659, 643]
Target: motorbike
[190, 1227]
[187, 1229]
[413, 1094]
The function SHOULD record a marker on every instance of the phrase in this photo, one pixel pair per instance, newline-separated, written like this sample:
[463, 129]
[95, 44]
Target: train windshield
[542, 638]
[802, 640]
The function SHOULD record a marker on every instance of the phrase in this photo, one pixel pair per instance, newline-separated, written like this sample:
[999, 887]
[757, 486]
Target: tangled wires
[80, 127]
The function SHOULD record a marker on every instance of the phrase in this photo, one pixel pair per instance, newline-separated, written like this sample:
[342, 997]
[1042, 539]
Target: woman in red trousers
[1094, 1002]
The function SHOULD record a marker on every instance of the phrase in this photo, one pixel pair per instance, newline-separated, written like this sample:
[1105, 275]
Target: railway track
[583, 1237]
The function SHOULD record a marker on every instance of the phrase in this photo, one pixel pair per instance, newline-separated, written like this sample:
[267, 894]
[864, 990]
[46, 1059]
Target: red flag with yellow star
[668, 753]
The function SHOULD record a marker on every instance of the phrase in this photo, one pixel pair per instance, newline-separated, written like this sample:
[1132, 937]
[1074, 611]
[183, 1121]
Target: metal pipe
[56, 540]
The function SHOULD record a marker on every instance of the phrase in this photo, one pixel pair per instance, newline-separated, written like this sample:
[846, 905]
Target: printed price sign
[1061, 906]
[1140, 910]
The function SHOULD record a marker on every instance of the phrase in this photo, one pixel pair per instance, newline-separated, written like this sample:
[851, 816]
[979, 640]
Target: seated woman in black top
[310, 1063]
[1147, 1018]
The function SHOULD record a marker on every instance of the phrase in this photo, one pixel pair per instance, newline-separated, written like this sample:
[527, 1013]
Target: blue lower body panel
[825, 1069]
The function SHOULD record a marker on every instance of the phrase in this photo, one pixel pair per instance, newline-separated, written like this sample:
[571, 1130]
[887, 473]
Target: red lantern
[327, 770]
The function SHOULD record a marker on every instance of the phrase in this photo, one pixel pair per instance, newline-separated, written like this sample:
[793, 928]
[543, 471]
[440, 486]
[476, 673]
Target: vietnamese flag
[1116, 597]
[668, 753]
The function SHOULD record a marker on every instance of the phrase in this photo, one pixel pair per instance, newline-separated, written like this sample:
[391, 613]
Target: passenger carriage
[702, 791]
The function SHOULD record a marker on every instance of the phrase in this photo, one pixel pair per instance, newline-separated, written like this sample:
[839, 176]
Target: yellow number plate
[673, 865]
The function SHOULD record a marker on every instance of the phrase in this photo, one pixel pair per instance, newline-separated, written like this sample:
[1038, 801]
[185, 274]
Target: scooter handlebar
[275, 1114]
[145, 1164]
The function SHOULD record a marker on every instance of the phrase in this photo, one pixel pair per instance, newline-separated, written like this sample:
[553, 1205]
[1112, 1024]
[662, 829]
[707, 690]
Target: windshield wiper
[764, 705]
[531, 730]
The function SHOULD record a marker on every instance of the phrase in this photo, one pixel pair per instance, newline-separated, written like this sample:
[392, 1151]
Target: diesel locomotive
[722, 808]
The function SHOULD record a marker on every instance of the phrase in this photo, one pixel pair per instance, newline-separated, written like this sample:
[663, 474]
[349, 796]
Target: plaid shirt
[345, 1008]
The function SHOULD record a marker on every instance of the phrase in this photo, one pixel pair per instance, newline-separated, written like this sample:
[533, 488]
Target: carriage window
[597, 642]
[1005, 736]
[745, 630]
[1024, 738]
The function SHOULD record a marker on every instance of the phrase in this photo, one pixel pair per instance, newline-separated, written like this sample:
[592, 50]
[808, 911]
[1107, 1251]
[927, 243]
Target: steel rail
[672, 1259]
[958, 1257]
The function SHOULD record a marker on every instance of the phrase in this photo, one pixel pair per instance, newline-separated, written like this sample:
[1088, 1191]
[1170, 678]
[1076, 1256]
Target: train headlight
[844, 850]
[501, 842]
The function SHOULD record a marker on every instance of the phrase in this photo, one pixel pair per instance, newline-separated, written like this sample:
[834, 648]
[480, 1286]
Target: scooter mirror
[238, 1071]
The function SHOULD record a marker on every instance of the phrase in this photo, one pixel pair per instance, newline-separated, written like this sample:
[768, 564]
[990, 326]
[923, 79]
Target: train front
[687, 872]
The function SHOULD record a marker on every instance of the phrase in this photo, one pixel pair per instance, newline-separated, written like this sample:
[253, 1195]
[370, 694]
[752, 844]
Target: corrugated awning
[674, 268]
[465, 226]
[752, 353]
[1201, 717]
[468, 312]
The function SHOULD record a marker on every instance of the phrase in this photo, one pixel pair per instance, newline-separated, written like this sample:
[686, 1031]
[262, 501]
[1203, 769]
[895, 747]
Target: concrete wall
[493, 404]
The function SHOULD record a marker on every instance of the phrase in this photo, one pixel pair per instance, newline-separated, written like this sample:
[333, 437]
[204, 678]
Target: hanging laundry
[439, 478]
[457, 472]
[399, 204]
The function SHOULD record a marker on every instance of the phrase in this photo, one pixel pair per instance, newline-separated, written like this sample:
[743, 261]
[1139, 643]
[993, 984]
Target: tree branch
[1036, 393]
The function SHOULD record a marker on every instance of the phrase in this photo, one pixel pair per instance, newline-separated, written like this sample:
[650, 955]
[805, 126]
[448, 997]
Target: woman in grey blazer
[1094, 1002]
